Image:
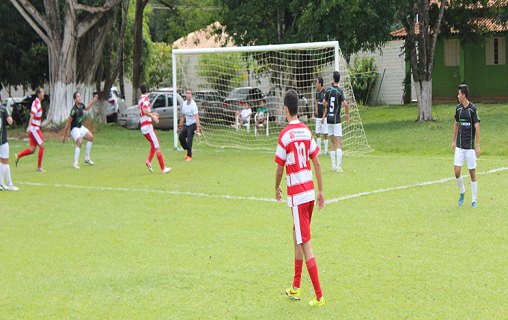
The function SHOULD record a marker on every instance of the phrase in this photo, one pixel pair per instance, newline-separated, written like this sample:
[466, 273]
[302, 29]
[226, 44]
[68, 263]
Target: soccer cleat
[41, 170]
[149, 166]
[461, 199]
[317, 303]
[76, 165]
[474, 204]
[187, 158]
[334, 168]
[10, 188]
[339, 169]
[17, 159]
[89, 161]
[294, 294]
[166, 170]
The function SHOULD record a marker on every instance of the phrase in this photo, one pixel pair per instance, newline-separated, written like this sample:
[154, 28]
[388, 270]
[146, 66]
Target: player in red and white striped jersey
[34, 131]
[295, 149]
[146, 117]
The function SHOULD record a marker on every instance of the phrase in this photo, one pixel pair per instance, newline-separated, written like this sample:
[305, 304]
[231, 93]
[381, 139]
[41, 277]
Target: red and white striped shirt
[144, 102]
[36, 111]
[294, 149]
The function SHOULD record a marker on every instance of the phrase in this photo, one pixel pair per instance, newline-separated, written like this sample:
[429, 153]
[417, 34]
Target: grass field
[206, 241]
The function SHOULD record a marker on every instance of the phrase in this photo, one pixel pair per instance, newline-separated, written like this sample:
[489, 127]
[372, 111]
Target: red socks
[161, 160]
[314, 277]
[39, 158]
[150, 155]
[298, 273]
[23, 153]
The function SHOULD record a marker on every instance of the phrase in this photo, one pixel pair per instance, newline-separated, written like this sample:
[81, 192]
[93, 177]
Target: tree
[137, 61]
[159, 68]
[63, 27]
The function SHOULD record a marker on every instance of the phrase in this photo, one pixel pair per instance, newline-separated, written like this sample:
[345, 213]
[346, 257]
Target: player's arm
[477, 144]
[198, 123]
[319, 179]
[180, 122]
[153, 115]
[9, 118]
[90, 105]
[325, 110]
[66, 129]
[278, 178]
[455, 131]
[346, 108]
[30, 121]
[316, 107]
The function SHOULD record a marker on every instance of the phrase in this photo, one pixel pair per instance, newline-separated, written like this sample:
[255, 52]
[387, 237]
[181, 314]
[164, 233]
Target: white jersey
[245, 114]
[189, 110]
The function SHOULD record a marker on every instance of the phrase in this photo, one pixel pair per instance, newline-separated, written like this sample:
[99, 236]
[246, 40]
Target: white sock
[326, 145]
[88, 148]
[332, 155]
[7, 173]
[319, 143]
[460, 183]
[76, 154]
[1, 174]
[474, 189]
[339, 157]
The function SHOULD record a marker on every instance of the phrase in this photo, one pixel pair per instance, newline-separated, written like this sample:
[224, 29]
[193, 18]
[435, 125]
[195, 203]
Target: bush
[363, 77]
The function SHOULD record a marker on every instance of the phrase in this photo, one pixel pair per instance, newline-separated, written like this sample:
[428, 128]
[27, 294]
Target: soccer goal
[239, 91]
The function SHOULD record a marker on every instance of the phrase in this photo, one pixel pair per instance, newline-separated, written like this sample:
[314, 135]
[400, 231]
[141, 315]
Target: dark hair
[74, 95]
[336, 76]
[320, 80]
[143, 89]
[38, 91]
[188, 89]
[464, 89]
[291, 102]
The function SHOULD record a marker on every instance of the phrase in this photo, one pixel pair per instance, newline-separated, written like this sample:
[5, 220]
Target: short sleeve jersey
[294, 149]
[466, 119]
[4, 114]
[36, 111]
[76, 114]
[334, 97]
[320, 95]
[189, 109]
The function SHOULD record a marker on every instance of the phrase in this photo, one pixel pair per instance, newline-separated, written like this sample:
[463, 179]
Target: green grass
[139, 250]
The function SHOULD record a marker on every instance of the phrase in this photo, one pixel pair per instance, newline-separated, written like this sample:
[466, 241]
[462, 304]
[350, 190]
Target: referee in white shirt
[191, 117]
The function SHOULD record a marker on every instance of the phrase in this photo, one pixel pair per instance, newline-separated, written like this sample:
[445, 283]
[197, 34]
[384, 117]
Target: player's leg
[77, 150]
[5, 170]
[158, 151]
[190, 138]
[338, 151]
[318, 133]
[332, 146]
[183, 138]
[37, 134]
[29, 150]
[471, 165]
[86, 134]
[325, 135]
[148, 161]
[458, 162]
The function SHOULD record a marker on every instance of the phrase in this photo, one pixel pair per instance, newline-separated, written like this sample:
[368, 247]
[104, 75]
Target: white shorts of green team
[465, 154]
[321, 128]
[4, 151]
[77, 133]
[335, 130]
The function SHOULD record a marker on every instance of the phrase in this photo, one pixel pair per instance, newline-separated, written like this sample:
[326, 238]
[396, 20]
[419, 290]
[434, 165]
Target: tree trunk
[424, 95]
[137, 55]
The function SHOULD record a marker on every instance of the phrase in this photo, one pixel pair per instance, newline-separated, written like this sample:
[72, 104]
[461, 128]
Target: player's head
[463, 92]
[262, 102]
[336, 76]
[39, 92]
[291, 102]
[188, 94]
[319, 83]
[143, 89]
[77, 97]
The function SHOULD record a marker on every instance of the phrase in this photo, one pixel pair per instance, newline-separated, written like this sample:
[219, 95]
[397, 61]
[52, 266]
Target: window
[452, 53]
[495, 51]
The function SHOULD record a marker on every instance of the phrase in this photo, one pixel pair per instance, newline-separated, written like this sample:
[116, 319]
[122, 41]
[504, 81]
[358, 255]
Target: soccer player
[465, 129]
[191, 116]
[333, 100]
[34, 131]
[78, 130]
[146, 118]
[5, 170]
[294, 149]
[321, 124]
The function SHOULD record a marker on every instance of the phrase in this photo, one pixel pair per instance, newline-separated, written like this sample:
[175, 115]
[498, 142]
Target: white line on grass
[250, 198]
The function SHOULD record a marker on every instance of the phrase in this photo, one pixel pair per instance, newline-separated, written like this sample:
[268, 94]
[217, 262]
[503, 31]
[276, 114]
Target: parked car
[115, 104]
[274, 104]
[209, 104]
[160, 102]
[238, 96]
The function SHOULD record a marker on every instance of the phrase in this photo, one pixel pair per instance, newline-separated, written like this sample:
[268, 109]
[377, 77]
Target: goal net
[239, 91]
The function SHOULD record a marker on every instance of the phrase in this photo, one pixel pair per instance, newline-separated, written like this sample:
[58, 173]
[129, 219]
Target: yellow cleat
[294, 294]
[317, 303]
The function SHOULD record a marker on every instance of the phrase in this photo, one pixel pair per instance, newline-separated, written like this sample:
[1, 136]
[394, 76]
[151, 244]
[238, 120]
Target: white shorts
[77, 133]
[4, 151]
[465, 154]
[321, 128]
[335, 130]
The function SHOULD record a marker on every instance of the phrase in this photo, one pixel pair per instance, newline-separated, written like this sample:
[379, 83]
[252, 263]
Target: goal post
[239, 91]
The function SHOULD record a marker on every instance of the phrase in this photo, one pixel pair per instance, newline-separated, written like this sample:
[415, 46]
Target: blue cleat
[461, 199]
[474, 204]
